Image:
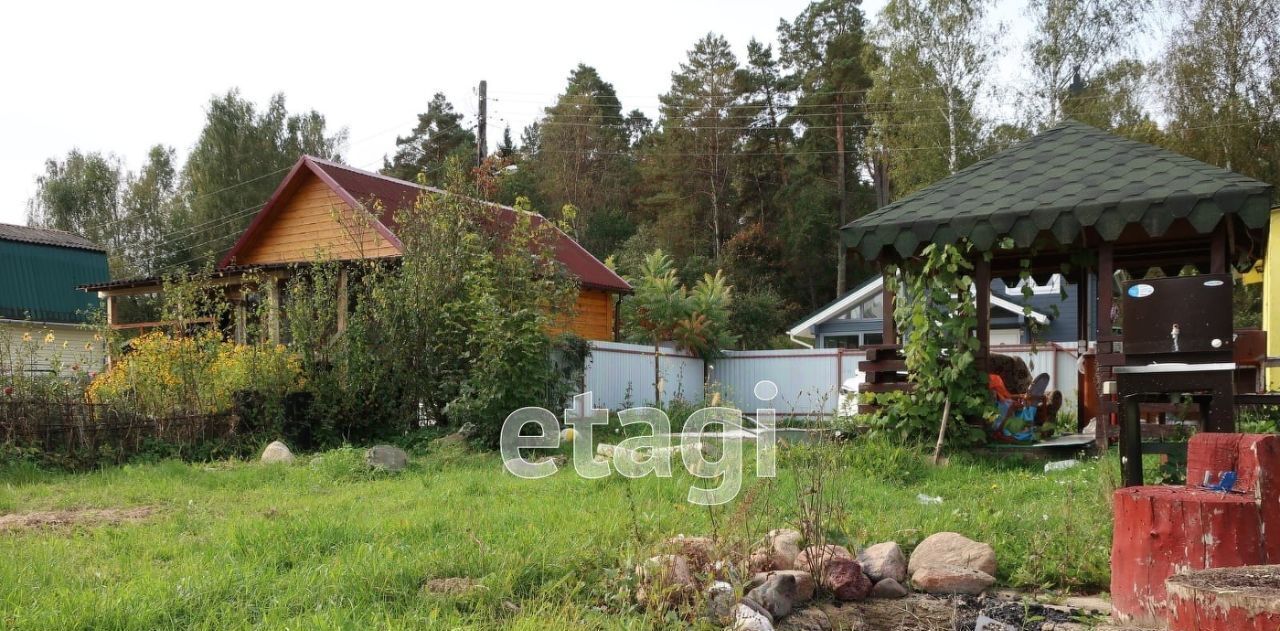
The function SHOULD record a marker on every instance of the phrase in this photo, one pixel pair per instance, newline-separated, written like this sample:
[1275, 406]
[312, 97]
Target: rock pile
[786, 576]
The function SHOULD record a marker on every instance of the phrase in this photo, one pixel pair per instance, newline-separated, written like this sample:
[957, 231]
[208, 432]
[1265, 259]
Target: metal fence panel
[808, 380]
[620, 375]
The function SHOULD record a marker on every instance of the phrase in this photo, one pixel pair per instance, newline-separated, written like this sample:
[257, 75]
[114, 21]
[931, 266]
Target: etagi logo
[651, 452]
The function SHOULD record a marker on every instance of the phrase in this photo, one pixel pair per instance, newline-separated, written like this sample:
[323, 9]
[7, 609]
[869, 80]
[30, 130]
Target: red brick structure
[1161, 531]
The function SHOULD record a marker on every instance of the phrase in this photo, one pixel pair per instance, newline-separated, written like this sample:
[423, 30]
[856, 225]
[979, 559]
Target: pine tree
[582, 155]
[826, 48]
[438, 136]
[691, 159]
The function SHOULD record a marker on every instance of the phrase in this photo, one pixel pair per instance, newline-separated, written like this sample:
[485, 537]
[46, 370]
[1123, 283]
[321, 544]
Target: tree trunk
[844, 197]
[657, 373]
[942, 432]
[953, 159]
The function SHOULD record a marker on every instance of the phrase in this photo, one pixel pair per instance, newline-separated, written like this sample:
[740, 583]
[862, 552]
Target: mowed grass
[243, 545]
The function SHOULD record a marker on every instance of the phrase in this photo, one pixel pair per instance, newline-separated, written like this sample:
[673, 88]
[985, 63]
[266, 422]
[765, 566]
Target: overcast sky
[120, 77]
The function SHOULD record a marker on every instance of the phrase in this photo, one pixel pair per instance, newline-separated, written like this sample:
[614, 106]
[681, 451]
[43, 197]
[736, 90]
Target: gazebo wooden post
[1218, 248]
[1106, 343]
[889, 326]
[1083, 323]
[982, 283]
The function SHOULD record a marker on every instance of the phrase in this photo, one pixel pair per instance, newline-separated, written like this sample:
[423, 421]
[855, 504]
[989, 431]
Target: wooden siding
[594, 320]
[315, 220]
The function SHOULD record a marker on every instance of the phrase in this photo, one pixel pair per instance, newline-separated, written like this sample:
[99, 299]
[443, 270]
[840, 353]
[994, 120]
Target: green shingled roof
[1057, 182]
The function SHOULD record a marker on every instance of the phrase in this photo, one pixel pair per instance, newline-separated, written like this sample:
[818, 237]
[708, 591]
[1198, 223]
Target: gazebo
[1084, 202]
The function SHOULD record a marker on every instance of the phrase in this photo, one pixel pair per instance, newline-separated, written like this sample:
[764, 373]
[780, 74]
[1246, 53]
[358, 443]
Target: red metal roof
[360, 188]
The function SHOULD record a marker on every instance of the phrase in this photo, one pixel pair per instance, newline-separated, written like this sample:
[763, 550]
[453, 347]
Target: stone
[950, 548]
[387, 458]
[559, 460]
[811, 619]
[720, 602]
[813, 558]
[784, 547]
[700, 551]
[777, 595]
[459, 437]
[748, 618]
[805, 586]
[951, 579]
[888, 588]
[884, 560]
[455, 586]
[666, 577]
[277, 452]
[845, 580]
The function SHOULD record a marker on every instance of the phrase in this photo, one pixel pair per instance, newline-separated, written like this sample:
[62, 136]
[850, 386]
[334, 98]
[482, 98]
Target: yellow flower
[88, 346]
[26, 337]
[64, 344]
[48, 338]
[97, 337]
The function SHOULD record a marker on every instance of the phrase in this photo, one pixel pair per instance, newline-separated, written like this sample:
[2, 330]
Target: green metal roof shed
[40, 270]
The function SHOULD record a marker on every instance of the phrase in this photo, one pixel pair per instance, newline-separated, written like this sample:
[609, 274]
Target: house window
[869, 309]
[1051, 288]
[852, 340]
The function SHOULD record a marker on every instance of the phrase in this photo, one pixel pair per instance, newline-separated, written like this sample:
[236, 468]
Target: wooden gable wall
[312, 220]
[595, 315]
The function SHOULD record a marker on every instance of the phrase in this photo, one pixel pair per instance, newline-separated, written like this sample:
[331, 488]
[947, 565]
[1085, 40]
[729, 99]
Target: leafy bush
[165, 375]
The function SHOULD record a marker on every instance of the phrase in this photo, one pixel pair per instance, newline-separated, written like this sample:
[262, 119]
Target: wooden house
[347, 213]
[42, 316]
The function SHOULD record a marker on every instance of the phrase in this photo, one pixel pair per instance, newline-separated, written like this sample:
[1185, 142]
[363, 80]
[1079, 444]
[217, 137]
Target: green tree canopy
[438, 136]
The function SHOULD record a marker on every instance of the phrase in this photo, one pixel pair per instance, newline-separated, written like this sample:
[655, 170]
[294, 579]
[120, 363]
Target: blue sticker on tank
[1141, 290]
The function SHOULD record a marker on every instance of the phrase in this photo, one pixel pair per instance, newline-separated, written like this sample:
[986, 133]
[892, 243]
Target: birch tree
[936, 57]
[1073, 43]
[1224, 99]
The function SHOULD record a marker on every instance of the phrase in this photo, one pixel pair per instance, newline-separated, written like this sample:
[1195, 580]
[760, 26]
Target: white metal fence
[808, 380]
[621, 375]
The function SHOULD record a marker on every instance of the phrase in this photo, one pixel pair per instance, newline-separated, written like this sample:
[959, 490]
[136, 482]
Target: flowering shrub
[36, 365]
[195, 374]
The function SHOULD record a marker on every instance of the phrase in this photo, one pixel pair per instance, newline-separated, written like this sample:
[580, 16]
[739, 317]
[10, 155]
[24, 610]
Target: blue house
[855, 320]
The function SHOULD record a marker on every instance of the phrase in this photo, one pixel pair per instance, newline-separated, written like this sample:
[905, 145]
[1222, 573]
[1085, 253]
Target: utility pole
[481, 149]
[841, 263]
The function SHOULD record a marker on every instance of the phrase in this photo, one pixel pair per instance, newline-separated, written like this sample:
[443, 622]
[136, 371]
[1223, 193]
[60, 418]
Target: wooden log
[1256, 460]
[1226, 599]
[1160, 530]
